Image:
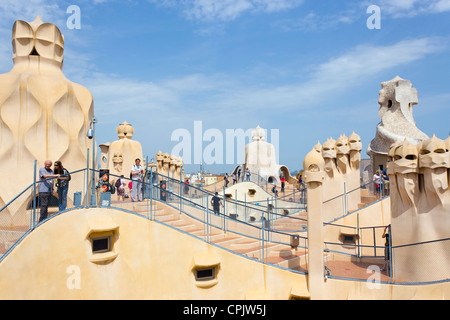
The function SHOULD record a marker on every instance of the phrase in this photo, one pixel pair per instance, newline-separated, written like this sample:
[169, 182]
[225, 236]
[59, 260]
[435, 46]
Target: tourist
[239, 174]
[186, 186]
[62, 184]
[225, 178]
[234, 178]
[300, 182]
[120, 186]
[387, 253]
[247, 174]
[137, 172]
[216, 203]
[377, 180]
[45, 188]
[275, 191]
[283, 181]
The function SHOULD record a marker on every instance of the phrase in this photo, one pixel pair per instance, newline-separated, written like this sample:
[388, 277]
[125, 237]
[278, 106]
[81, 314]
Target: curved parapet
[70, 267]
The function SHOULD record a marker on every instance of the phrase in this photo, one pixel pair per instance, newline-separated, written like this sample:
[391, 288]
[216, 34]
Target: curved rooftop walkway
[277, 240]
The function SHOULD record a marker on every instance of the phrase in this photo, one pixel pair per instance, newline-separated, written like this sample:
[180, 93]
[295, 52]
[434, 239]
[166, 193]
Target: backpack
[118, 183]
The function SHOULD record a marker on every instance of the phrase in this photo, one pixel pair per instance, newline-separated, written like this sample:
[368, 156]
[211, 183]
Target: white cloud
[226, 10]
[412, 8]
[440, 6]
[210, 94]
[314, 22]
[341, 73]
[12, 10]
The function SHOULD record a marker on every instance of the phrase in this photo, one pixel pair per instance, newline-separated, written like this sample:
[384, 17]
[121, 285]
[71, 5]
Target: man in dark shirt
[216, 203]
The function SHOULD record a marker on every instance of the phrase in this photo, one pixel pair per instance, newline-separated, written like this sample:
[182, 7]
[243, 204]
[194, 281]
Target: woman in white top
[377, 180]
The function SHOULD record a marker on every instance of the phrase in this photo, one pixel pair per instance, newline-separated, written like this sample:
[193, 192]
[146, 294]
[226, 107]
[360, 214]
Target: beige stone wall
[152, 261]
[149, 261]
[44, 115]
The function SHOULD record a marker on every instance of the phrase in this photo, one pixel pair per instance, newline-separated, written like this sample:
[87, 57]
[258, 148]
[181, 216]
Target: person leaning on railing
[45, 188]
[62, 184]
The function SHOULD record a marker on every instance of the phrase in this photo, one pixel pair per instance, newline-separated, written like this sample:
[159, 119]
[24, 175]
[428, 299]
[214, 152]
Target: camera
[90, 133]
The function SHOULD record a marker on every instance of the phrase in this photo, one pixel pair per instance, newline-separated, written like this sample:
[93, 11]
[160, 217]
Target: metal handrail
[266, 232]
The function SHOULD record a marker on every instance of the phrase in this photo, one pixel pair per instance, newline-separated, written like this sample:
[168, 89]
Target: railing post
[245, 207]
[207, 218]
[224, 210]
[269, 218]
[262, 238]
[87, 179]
[345, 199]
[374, 242]
[236, 202]
[151, 193]
[34, 196]
[181, 187]
[358, 235]
[391, 257]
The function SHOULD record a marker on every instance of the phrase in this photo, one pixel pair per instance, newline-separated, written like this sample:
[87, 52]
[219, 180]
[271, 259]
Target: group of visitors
[46, 188]
[235, 177]
[136, 174]
[381, 180]
[283, 184]
[48, 176]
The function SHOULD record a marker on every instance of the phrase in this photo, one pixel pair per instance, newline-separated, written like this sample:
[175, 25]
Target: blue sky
[311, 69]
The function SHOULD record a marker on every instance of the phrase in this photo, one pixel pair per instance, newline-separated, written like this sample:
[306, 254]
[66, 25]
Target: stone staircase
[366, 198]
[274, 253]
[252, 247]
[9, 236]
[294, 222]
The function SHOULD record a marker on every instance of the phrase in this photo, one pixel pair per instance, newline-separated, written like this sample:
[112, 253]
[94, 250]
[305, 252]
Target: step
[226, 239]
[213, 234]
[183, 225]
[254, 252]
[245, 244]
[368, 199]
[9, 244]
[191, 228]
[290, 261]
[167, 218]
[281, 250]
[10, 235]
[289, 225]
